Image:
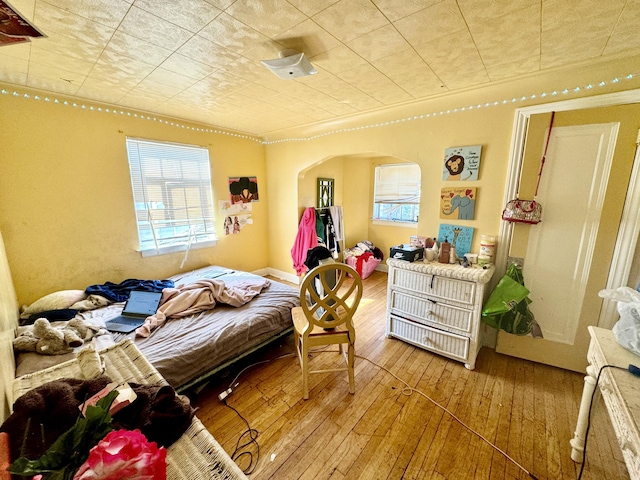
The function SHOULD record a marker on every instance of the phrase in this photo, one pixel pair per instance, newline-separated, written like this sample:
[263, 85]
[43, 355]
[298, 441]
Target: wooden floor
[526, 409]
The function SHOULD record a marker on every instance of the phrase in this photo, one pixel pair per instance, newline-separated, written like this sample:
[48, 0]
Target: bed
[184, 351]
[188, 350]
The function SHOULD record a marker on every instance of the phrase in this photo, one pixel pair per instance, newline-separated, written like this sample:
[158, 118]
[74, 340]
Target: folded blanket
[198, 296]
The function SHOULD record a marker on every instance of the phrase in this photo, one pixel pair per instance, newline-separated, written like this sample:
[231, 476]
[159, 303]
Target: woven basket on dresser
[196, 455]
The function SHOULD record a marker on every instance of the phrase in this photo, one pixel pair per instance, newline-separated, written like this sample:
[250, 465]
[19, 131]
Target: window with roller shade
[397, 193]
[172, 195]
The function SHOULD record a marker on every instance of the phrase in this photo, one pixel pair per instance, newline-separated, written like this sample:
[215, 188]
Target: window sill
[177, 248]
[388, 223]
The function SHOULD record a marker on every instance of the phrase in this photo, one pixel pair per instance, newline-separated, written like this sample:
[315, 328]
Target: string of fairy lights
[82, 105]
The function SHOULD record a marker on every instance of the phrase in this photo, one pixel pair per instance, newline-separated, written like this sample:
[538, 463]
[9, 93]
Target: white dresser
[437, 307]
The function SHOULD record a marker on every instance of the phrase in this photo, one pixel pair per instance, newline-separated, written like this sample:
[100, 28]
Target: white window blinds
[397, 184]
[172, 194]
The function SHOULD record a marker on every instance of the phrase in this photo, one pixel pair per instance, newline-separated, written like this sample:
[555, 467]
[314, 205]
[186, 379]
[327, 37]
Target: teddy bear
[49, 340]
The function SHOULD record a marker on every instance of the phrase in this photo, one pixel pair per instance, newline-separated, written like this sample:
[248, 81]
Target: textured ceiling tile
[580, 15]
[238, 100]
[379, 43]
[142, 99]
[162, 76]
[311, 7]
[107, 13]
[70, 47]
[514, 68]
[108, 92]
[308, 37]
[626, 34]
[51, 19]
[483, 11]
[187, 66]
[396, 9]
[26, 8]
[126, 70]
[20, 51]
[252, 72]
[232, 34]
[51, 84]
[269, 17]
[256, 91]
[451, 55]
[369, 80]
[431, 23]
[407, 69]
[124, 45]
[497, 43]
[338, 60]
[349, 19]
[191, 15]
[205, 51]
[55, 78]
[13, 70]
[221, 4]
[220, 83]
[63, 62]
[453, 80]
[152, 29]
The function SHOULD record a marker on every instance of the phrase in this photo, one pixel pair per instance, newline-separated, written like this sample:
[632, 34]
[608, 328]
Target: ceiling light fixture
[291, 64]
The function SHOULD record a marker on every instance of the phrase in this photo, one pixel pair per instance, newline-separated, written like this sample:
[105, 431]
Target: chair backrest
[333, 299]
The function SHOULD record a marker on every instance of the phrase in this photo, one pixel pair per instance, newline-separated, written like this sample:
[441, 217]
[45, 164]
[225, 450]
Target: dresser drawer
[451, 289]
[430, 311]
[439, 341]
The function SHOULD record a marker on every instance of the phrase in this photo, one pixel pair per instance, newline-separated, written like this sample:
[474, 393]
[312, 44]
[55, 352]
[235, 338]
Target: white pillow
[54, 301]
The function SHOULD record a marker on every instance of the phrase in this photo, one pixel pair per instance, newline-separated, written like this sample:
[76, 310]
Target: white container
[487, 249]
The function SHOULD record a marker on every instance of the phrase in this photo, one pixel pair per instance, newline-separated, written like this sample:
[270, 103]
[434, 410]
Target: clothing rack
[338, 229]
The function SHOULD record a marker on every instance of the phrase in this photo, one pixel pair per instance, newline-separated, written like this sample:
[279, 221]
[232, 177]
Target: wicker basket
[195, 455]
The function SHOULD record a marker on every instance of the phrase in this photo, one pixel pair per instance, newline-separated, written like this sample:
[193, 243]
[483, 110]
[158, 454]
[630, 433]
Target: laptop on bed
[140, 305]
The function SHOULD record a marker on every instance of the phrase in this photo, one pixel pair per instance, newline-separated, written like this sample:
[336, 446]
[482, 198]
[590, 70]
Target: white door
[560, 250]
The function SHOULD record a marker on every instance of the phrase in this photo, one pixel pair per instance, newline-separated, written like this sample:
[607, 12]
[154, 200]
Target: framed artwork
[243, 189]
[461, 163]
[458, 203]
[325, 192]
[457, 236]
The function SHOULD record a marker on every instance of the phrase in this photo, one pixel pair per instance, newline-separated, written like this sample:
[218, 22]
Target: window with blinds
[397, 192]
[172, 194]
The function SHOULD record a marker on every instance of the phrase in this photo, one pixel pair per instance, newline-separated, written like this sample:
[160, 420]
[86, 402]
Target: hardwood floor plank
[526, 409]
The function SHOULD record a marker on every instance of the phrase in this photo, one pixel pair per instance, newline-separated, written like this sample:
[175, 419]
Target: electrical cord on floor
[593, 395]
[240, 452]
[408, 390]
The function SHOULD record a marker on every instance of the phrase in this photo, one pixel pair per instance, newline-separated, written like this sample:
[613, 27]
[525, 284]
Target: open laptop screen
[142, 303]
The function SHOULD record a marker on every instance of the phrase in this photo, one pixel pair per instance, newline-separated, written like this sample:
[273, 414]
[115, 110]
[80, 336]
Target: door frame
[630, 223]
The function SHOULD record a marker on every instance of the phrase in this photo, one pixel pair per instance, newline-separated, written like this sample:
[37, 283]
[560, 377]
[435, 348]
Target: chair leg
[350, 368]
[304, 363]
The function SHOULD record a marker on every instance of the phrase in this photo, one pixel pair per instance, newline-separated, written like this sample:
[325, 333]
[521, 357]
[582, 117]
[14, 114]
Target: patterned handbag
[528, 211]
[522, 211]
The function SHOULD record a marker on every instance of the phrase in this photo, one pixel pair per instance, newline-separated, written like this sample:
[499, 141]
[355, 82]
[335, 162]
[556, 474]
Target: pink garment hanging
[305, 239]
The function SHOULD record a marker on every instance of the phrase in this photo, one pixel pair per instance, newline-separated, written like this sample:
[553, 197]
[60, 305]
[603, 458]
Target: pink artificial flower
[124, 454]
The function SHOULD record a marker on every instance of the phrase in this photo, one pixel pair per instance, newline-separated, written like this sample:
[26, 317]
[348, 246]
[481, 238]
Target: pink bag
[364, 267]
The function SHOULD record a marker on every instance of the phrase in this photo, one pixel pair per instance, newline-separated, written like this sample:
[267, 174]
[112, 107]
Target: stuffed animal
[46, 339]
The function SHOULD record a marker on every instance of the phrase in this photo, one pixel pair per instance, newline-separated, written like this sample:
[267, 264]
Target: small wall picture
[457, 236]
[461, 163]
[243, 189]
[458, 203]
